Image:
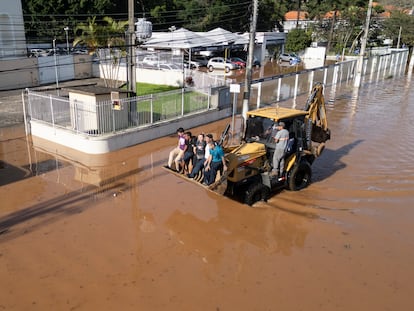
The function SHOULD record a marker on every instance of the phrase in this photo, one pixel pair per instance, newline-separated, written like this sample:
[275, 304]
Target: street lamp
[66, 29]
[56, 66]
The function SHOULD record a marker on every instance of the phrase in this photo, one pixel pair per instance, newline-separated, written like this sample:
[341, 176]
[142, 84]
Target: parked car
[169, 66]
[199, 61]
[238, 61]
[256, 62]
[151, 60]
[292, 58]
[220, 63]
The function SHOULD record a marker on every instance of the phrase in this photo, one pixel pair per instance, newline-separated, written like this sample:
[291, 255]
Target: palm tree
[107, 42]
[90, 35]
[115, 32]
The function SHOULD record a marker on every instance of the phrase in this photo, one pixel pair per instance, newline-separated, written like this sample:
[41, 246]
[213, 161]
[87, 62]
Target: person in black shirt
[200, 155]
[190, 141]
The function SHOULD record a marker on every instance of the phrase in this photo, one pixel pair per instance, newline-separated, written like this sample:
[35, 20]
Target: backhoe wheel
[300, 176]
[256, 192]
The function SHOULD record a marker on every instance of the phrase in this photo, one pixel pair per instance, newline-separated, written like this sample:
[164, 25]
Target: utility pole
[298, 17]
[132, 85]
[248, 78]
[399, 38]
[360, 63]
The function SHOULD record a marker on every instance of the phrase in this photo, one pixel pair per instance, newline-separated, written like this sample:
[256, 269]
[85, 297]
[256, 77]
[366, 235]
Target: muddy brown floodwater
[117, 232]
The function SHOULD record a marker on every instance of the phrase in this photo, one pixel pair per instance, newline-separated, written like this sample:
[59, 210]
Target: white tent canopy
[186, 39]
[224, 37]
[179, 39]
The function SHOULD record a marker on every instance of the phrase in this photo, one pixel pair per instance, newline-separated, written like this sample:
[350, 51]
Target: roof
[225, 37]
[293, 15]
[186, 39]
[178, 39]
[93, 90]
[277, 113]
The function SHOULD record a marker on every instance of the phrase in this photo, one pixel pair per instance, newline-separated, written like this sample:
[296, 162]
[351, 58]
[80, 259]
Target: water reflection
[238, 228]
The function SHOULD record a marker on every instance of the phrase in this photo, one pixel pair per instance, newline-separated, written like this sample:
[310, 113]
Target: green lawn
[147, 88]
[171, 104]
[164, 105]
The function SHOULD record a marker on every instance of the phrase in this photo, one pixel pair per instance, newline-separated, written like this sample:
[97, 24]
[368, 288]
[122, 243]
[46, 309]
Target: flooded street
[118, 232]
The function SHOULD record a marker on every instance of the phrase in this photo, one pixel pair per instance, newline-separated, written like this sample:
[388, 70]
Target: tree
[114, 32]
[392, 28]
[90, 34]
[297, 40]
[46, 19]
[107, 42]
[271, 15]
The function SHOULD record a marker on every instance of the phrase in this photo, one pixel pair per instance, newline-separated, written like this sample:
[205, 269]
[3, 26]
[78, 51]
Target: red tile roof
[293, 15]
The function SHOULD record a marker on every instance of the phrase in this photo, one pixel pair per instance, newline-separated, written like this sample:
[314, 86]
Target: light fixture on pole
[56, 66]
[143, 31]
[66, 29]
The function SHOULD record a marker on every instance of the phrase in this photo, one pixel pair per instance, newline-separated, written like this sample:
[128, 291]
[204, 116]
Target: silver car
[292, 58]
[220, 63]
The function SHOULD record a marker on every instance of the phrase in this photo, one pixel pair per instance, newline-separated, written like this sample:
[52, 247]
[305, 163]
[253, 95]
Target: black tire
[300, 176]
[256, 192]
[227, 69]
[210, 68]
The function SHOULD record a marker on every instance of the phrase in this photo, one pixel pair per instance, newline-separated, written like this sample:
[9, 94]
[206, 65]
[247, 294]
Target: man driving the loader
[281, 140]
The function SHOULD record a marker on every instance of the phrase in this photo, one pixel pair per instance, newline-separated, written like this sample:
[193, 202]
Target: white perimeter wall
[162, 77]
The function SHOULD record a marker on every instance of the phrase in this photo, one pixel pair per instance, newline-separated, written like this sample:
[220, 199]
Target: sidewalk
[11, 105]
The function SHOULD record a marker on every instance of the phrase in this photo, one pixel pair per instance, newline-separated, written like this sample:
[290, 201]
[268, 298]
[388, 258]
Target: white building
[295, 19]
[12, 36]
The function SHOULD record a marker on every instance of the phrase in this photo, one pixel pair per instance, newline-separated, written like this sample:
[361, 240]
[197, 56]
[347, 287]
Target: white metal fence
[280, 88]
[106, 117]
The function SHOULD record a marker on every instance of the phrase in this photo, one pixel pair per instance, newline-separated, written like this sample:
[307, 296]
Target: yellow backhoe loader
[249, 164]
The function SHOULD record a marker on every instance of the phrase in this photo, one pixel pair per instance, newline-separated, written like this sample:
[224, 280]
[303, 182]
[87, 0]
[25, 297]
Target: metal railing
[107, 117]
[296, 85]
[101, 118]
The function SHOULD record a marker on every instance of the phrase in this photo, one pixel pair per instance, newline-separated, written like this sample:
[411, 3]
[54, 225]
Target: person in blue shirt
[214, 163]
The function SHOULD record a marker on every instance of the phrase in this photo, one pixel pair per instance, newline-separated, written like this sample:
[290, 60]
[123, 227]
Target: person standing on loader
[281, 139]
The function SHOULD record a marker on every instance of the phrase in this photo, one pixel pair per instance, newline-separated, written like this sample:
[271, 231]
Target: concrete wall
[19, 73]
[314, 56]
[31, 72]
[60, 65]
[104, 144]
[83, 66]
[153, 76]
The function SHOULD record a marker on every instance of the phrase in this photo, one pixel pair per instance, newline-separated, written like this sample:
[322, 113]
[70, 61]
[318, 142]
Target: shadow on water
[330, 161]
[43, 213]
[37, 215]
[11, 173]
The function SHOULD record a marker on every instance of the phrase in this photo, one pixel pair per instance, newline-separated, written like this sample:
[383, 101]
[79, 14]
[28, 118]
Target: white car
[151, 60]
[169, 67]
[292, 58]
[220, 63]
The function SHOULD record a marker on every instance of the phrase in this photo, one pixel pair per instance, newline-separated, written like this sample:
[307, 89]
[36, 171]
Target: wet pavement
[117, 232]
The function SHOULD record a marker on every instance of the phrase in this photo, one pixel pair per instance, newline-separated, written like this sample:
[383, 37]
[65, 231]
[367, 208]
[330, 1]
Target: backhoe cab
[249, 164]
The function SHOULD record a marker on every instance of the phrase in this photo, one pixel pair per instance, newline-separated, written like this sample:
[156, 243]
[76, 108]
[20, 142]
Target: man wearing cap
[281, 139]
